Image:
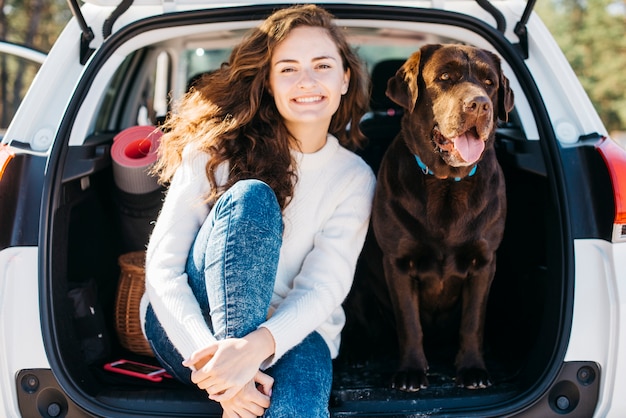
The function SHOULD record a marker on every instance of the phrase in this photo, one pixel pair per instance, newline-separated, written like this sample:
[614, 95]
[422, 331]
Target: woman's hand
[252, 400]
[223, 368]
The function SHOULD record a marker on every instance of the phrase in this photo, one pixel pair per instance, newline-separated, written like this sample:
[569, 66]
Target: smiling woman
[274, 178]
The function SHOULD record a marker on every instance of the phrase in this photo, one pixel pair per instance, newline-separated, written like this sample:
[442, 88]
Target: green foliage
[594, 41]
[36, 23]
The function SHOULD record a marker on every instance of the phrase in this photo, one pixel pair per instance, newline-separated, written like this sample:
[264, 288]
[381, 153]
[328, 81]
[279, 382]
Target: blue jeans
[231, 270]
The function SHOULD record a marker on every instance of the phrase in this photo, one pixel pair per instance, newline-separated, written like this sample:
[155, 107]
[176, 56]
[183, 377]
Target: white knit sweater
[325, 225]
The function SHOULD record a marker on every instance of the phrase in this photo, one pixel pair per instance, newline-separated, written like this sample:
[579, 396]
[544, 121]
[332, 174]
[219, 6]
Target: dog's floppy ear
[402, 87]
[505, 98]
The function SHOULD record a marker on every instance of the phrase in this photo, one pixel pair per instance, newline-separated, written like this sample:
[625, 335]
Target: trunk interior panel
[95, 224]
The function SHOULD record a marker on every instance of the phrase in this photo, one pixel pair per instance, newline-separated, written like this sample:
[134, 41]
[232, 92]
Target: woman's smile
[310, 99]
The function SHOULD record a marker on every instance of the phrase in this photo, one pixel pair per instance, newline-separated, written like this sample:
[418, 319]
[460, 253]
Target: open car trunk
[523, 320]
[91, 222]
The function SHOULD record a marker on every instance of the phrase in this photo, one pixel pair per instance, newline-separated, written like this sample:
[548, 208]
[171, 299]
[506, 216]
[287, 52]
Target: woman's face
[307, 78]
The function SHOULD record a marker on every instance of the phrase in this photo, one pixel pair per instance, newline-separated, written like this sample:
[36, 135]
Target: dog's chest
[447, 200]
[440, 292]
[446, 206]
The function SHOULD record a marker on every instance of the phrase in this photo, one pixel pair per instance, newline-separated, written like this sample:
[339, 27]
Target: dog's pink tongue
[469, 146]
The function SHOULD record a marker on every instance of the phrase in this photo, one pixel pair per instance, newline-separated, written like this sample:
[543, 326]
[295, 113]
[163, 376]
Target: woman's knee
[253, 200]
[246, 203]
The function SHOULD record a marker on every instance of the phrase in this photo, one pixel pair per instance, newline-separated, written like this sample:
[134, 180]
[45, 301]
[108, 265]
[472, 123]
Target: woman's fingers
[197, 362]
[261, 395]
[251, 411]
[265, 383]
[243, 413]
[220, 395]
[222, 369]
[200, 357]
[249, 402]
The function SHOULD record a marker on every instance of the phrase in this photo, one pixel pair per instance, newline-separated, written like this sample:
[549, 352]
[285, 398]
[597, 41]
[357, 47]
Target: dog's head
[453, 96]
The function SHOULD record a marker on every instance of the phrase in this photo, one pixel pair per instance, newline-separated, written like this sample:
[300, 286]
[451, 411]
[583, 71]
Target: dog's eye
[489, 82]
[444, 77]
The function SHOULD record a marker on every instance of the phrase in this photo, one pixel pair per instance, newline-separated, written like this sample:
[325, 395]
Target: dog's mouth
[463, 150]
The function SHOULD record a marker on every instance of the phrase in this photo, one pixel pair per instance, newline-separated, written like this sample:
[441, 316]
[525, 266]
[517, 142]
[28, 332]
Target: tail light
[615, 159]
[6, 155]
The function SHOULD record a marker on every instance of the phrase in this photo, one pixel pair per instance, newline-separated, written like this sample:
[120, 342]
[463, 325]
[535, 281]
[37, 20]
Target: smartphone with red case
[136, 369]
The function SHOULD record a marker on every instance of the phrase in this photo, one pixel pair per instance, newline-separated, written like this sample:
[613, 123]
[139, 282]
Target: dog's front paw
[409, 380]
[473, 378]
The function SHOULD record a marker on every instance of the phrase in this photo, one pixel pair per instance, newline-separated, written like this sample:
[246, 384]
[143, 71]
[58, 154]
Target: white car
[70, 206]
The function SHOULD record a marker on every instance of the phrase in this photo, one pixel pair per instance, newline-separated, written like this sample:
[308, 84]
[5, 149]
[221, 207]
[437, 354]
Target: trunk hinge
[87, 34]
[521, 31]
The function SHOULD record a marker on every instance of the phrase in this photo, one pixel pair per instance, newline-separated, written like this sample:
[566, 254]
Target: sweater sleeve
[182, 214]
[328, 269]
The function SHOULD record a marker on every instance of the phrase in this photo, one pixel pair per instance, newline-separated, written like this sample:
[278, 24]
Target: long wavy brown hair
[230, 114]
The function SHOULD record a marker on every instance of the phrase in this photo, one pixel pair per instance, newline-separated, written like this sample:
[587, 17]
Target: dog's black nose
[477, 104]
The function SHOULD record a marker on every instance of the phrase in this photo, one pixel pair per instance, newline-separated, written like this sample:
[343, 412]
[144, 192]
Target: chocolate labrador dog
[440, 204]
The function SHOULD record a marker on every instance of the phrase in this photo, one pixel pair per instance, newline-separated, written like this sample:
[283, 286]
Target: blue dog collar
[427, 170]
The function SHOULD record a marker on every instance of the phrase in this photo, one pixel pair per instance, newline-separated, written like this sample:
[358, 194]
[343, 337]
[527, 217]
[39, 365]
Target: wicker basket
[129, 292]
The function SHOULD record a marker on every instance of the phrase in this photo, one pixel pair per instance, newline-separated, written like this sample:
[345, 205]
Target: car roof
[231, 3]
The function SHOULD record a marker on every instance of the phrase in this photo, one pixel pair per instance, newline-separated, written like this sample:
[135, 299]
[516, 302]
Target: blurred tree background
[34, 23]
[592, 34]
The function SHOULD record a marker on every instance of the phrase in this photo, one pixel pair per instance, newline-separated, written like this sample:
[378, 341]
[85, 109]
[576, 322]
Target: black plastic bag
[89, 322]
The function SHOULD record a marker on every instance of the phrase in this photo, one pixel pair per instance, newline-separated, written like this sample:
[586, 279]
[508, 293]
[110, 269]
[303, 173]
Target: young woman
[255, 248]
